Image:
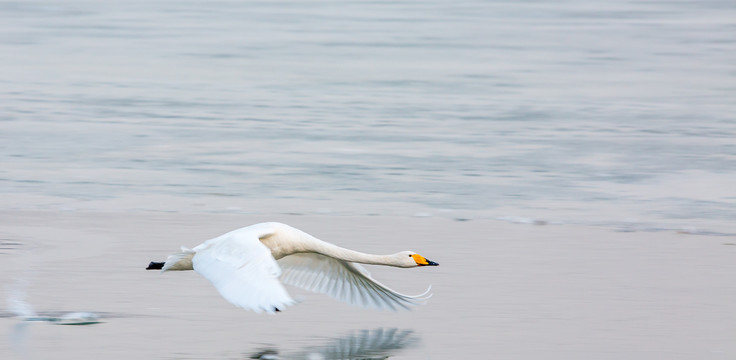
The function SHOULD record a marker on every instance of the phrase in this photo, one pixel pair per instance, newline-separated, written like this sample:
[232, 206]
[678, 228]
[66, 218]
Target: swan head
[409, 259]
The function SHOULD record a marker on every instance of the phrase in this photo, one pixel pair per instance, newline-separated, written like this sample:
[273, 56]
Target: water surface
[391, 121]
[606, 113]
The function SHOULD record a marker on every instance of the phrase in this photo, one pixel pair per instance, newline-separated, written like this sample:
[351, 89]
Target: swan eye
[409, 255]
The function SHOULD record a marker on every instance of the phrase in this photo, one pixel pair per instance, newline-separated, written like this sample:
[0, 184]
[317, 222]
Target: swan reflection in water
[364, 344]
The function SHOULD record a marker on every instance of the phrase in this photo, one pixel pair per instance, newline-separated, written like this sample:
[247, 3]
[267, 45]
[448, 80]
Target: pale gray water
[225, 113]
[502, 291]
[577, 112]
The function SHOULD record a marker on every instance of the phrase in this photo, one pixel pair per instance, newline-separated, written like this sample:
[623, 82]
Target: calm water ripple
[564, 111]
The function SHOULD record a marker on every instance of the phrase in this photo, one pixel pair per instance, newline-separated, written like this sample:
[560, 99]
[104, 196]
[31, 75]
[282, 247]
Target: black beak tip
[432, 263]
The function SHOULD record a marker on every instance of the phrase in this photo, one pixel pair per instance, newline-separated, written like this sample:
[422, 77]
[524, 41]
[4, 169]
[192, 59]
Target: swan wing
[344, 281]
[242, 269]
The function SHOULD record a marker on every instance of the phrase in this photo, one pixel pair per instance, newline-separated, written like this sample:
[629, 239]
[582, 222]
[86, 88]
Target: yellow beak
[422, 261]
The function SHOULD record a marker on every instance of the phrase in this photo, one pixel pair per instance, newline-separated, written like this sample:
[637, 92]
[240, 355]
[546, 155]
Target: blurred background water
[618, 113]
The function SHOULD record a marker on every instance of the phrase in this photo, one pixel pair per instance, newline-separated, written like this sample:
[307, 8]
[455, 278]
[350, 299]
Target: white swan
[245, 266]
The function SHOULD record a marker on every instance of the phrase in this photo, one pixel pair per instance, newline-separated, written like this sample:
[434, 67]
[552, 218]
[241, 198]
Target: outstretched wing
[344, 281]
[242, 269]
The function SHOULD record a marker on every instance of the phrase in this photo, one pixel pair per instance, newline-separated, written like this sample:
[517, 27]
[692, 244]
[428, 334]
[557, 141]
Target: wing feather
[344, 281]
[243, 271]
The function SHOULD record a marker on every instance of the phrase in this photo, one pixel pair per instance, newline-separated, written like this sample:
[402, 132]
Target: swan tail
[178, 261]
[155, 265]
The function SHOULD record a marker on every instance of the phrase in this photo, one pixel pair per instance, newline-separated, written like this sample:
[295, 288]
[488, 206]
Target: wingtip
[423, 296]
[426, 292]
[268, 309]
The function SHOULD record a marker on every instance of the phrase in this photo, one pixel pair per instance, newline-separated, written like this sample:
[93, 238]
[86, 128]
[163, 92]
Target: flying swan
[245, 266]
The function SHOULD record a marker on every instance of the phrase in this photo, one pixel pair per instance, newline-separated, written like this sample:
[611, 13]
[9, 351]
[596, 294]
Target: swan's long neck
[309, 243]
[353, 256]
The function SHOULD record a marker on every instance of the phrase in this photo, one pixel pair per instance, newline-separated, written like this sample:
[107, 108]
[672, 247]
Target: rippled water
[617, 114]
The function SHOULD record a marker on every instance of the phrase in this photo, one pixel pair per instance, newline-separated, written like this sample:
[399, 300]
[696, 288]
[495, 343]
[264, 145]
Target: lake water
[618, 113]
[609, 116]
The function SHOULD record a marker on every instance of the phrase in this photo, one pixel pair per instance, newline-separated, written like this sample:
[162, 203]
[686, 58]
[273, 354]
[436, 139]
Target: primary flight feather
[248, 266]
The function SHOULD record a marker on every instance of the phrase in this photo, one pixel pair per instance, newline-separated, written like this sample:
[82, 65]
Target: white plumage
[247, 266]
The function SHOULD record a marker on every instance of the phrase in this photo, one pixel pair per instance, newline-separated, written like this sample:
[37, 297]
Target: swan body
[247, 266]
